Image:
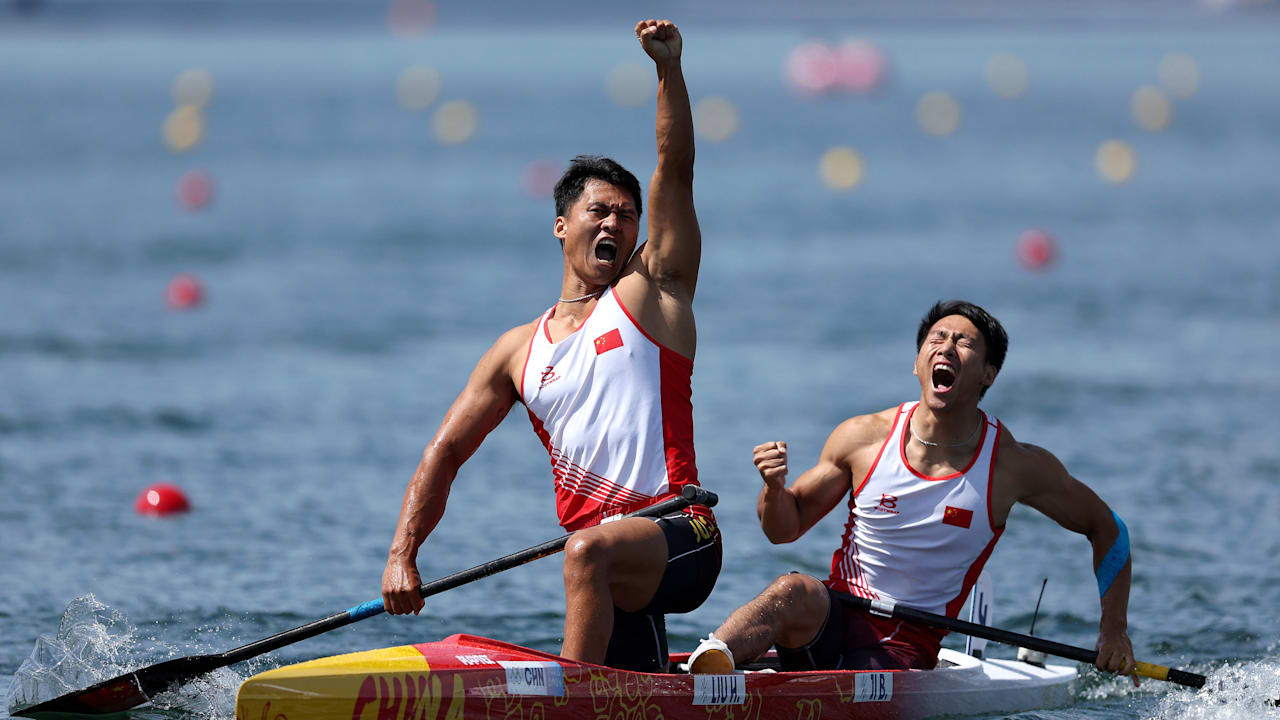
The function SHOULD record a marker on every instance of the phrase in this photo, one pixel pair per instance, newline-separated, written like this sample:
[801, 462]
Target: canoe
[470, 677]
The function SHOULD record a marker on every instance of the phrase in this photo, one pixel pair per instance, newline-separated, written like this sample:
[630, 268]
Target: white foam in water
[209, 696]
[1238, 691]
[95, 642]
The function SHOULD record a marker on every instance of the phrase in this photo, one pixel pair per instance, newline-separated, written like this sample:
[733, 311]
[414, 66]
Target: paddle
[888, 609]
[138, 686]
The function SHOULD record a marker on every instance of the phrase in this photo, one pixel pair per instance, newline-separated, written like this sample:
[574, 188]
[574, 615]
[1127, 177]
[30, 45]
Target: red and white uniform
[919, 541]
[613, 409]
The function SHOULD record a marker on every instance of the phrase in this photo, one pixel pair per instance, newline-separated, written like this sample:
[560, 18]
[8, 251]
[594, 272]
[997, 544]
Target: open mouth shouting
[943, 376]
[606, 251]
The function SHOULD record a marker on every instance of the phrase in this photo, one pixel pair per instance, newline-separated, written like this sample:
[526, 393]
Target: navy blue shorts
[852, 639]
[639, 640]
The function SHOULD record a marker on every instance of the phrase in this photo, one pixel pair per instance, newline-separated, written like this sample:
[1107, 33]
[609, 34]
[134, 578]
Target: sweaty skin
[952, 369]
[619, 562]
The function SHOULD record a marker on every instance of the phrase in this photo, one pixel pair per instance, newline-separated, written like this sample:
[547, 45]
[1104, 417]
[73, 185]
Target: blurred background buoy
[1036, 249]
[195, 190]
[860, 66]
[539, 178]
[185, 291]
[811, 68]
[161, 499]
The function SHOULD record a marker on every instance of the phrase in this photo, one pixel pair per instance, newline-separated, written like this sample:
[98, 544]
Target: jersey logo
[548, 376]
[959, 517]
[608, 341]
[888, 503]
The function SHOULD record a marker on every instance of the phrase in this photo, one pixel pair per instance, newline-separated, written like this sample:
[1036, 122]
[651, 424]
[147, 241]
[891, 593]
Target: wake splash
[95, 643]
[1237, 691]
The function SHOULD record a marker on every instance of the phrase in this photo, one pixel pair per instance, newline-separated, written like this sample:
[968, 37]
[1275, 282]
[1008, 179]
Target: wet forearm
[424, 503]
[779, 515]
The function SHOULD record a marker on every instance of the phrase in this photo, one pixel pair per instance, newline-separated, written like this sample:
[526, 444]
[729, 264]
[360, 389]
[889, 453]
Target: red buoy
[811, 68]
[161, 499]
[1036, 249]
[860, 66]
[184, 292]
[195, 190]
[540, 177]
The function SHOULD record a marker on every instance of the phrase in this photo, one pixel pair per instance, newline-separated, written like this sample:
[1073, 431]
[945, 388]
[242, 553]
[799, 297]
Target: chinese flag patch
[959, 517]
[608, 341]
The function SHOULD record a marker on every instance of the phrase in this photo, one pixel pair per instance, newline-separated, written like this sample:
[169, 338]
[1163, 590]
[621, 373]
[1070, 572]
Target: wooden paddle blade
[129, 690]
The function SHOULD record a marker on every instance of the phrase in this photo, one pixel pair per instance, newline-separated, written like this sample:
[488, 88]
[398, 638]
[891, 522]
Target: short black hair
[993, 334]
[593, 167]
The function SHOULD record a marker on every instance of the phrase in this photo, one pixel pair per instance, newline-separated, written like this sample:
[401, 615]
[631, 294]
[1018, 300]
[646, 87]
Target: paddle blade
[127, 691]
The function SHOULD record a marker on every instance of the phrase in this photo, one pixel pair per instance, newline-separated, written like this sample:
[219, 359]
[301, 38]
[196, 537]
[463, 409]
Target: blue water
[356, 268]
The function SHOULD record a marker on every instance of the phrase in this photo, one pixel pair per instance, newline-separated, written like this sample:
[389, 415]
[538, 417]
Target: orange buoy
[161, 499]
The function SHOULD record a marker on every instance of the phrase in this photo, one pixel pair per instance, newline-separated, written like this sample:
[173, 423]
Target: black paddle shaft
[1006, 637]
[138, 686]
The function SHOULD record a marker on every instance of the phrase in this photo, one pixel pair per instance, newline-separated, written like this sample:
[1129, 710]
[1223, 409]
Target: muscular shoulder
[854, 438]
[1024, 467]
[508, 353]
[517, 338]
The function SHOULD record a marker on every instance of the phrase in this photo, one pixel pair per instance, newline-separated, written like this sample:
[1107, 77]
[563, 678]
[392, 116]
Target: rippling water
[356, 269]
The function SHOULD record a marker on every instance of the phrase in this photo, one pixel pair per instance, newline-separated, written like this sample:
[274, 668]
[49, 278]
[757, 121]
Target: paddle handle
[888, 609]
[689, 495]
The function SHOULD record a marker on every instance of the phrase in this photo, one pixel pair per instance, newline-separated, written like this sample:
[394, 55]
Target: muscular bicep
[1049, 488]
[481, 406]
[845, 455]
[673, 252]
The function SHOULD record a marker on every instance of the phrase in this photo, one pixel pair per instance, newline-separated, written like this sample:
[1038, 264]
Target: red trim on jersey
[880, 452]
[676, 372]
[627, 508]
[639, 327]
[991, 479]
[902, 450]
[528, 351]
[971, 577]
[845, 570]
[592, 485]
[675, 379]
[543, 435]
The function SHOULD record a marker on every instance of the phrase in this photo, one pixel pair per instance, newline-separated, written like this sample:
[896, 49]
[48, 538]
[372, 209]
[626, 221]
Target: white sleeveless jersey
[916, 540]
[614, 410]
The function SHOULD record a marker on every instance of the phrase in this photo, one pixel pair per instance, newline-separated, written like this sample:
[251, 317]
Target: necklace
[588, 296]
[912, 427]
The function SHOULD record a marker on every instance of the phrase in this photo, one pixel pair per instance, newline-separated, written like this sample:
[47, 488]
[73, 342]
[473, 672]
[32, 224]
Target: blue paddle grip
[367, 609]
[1113, 562]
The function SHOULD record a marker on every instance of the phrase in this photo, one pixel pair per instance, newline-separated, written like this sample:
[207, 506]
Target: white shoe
[712, 657]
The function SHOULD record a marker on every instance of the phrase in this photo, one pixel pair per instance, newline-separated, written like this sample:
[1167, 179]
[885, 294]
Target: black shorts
[852, 639]
[639, 640]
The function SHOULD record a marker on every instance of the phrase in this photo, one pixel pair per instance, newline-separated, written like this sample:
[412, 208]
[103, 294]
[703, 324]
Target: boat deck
[465, 676]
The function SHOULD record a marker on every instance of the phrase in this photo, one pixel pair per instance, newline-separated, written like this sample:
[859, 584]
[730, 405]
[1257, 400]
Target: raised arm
[1045, 485]
[673, 250]
[481, 406]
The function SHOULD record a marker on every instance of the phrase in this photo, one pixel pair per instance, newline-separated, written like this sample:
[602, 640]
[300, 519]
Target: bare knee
[585, 556]
[795, 588]
[800, 603]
